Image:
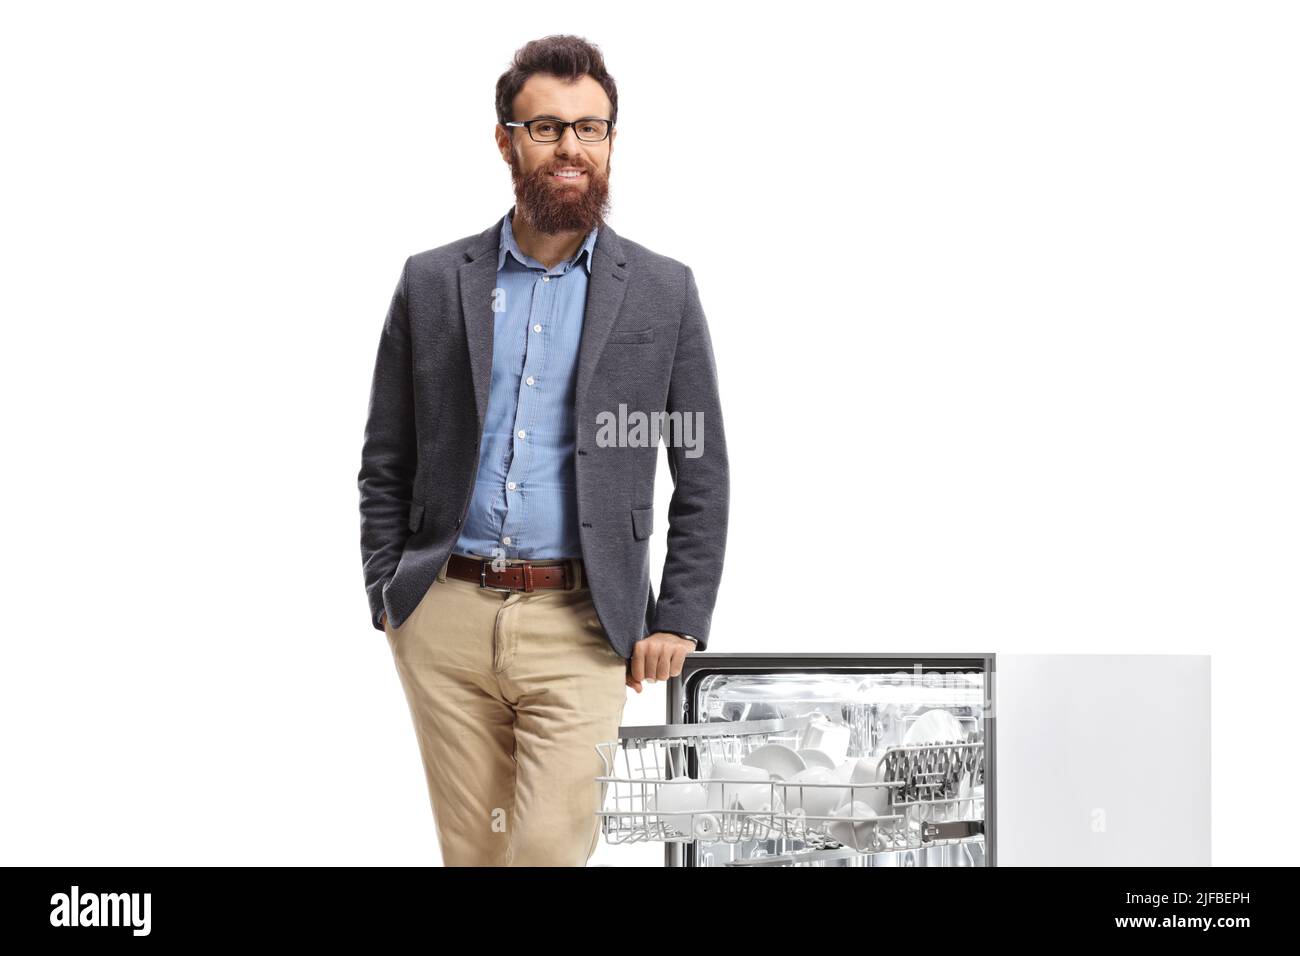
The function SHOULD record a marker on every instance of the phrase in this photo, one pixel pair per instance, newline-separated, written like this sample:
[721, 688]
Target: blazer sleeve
[697, 513]
[388, 453]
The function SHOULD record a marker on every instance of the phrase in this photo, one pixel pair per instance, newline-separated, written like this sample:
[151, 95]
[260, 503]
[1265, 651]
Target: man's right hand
[383, 618]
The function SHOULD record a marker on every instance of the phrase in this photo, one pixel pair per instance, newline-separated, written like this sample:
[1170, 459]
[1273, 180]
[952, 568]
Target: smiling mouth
[568, 175]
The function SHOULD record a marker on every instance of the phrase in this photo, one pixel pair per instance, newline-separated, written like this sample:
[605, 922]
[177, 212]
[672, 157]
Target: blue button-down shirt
[525, 503]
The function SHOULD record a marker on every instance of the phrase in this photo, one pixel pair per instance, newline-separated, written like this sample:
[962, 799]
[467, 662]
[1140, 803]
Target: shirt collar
[507, 244]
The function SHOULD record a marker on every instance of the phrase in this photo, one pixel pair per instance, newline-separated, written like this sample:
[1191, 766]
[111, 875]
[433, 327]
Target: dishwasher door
[812, 760]
[1103, 760]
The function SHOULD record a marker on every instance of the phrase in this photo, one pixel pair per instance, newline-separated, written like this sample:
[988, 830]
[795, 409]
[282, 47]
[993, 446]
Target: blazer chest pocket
[630, 337]
[415, 516]
[643, 523]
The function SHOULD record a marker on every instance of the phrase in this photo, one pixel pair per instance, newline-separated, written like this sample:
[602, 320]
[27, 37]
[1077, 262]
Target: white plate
[935, 727]
[779, 761]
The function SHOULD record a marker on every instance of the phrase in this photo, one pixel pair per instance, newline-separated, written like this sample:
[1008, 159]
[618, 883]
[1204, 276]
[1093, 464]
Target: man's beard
[550, 208]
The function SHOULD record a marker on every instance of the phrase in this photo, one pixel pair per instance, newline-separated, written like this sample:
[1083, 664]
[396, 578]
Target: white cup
[830, 738]
[859, 834]
[814, 801]
[867, 770]
[738, 793]
[675, 803]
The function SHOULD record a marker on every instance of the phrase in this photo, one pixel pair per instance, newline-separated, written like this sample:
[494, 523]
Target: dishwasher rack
[932, 793]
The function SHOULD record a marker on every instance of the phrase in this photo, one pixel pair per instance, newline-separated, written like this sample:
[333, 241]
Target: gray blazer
[645, 345]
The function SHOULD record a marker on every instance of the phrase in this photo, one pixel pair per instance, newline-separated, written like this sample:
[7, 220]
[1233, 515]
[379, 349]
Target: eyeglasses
[549, 130]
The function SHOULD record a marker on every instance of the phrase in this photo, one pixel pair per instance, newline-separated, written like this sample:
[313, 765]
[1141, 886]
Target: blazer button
[457, 522]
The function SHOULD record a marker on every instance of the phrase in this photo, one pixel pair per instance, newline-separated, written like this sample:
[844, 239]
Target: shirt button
[546, 278]
[506, 539]
[529, 380]
[520, 433]
[511, 485]
[537, 328]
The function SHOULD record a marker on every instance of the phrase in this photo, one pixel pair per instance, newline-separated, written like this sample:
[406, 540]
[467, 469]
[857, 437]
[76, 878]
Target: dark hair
[568, 57]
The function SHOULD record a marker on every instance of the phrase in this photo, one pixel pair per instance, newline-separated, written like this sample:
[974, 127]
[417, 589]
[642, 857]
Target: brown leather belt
[526, 576]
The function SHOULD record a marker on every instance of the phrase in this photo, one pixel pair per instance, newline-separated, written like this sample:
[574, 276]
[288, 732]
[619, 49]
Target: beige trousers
[509, 694]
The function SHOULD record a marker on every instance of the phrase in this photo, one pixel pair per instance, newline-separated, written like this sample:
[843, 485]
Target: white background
[1003, 298]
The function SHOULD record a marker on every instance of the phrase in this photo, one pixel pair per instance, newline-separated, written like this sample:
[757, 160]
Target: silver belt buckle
[482, 580]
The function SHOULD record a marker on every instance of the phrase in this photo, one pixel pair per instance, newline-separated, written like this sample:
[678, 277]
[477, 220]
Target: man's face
[553, 203]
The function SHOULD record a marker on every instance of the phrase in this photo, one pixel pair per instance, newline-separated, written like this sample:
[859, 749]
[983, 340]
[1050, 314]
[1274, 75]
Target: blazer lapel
[478, 278]
[606, 287]
[605, 290]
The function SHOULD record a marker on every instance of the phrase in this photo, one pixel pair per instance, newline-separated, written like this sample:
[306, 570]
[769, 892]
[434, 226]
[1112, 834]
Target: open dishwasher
[811, 760]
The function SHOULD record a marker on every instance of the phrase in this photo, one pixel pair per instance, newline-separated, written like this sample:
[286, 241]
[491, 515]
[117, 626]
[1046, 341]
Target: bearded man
[505, 548]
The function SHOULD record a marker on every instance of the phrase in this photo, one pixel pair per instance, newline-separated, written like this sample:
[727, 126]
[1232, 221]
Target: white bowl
[780, 762]
[816, 758]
